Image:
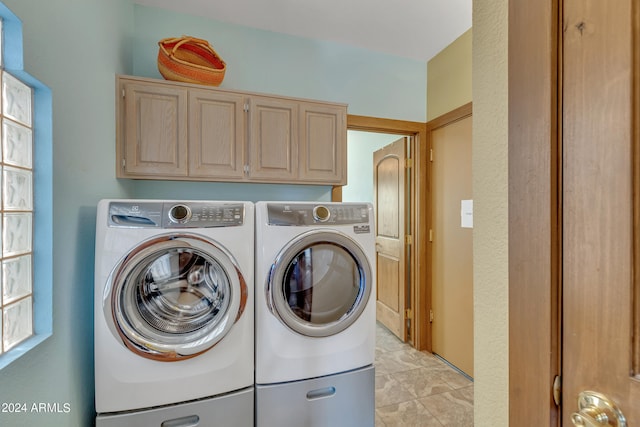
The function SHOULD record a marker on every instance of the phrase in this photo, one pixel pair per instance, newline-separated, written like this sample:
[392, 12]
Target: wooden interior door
[389, 199]
[452, 247]
[601, 301]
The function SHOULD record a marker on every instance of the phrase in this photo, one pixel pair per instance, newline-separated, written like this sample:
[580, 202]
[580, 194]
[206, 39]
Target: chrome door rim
[275, 282]
[140, 336]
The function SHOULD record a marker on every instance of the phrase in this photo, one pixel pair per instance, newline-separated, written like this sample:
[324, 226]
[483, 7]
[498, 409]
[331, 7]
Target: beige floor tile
[390, 391]
[414, 388]
[396, 361]
[422, 382]
[406, 414]
[453, 408]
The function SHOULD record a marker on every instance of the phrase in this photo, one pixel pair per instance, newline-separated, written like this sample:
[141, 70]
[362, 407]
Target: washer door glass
[174, 297]
[320, 283]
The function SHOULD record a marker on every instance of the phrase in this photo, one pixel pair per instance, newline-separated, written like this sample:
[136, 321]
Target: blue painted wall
[76, 47]
[371, 83]
[360, 149]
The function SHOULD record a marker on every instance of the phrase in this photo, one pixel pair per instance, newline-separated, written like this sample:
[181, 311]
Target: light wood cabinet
[156, 141]
[216, 135]
[169, 130]
[323, 143]
[274, 139]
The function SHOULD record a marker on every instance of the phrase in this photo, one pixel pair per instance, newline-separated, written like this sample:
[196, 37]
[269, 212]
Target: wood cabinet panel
[157, 141]
[324, 143]
[216, 135]
[274, 138]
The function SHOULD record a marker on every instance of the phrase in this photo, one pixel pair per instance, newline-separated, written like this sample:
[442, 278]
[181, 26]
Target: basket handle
[184, 39]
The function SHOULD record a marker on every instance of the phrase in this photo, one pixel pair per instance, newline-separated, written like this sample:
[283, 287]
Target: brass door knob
[597, 410]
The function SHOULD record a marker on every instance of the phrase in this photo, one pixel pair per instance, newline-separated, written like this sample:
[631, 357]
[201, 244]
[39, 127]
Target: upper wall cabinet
[273, 139]
[178, 131]
[156, 137]
[216, 135]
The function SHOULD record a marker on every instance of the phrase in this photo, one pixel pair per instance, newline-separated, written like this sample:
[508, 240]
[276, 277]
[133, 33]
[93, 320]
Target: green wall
[449, 77]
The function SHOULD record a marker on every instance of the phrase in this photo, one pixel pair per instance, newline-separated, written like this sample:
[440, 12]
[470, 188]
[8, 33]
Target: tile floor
[417, 389]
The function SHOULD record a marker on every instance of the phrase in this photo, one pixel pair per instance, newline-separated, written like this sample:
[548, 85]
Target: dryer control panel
[302, 214]
[175, 214]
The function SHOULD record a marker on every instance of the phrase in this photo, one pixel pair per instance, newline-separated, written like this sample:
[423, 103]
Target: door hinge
[408, 163]
[408, 239]
[431, 235]
[408, 314]
[431, 154]
[557, 390]
[430, 316]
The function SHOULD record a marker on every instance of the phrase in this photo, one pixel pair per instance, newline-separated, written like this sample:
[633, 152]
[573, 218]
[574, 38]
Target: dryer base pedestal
[341, 400]
[229, 410]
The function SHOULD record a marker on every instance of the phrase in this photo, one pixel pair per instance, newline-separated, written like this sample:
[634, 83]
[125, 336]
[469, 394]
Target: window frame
[42, 261]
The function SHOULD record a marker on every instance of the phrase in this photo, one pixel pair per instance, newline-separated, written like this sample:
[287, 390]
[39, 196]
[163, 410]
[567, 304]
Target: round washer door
[174, 296]
[320, 283]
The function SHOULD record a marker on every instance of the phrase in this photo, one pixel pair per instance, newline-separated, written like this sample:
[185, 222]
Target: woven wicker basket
[191, 60]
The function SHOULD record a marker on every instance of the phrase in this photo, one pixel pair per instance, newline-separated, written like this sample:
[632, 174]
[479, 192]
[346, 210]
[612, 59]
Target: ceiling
[415, 29]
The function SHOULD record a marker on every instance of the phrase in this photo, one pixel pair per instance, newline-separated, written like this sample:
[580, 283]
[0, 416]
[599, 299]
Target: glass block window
[16, 210]
[26, 199]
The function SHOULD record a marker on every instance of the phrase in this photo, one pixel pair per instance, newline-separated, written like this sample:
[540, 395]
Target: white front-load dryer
[315, 314]
[173, 313]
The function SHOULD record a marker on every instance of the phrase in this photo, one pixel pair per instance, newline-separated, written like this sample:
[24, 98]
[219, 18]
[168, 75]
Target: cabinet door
[216, 135]
[273, 139]
[155, 130]
[323, 143]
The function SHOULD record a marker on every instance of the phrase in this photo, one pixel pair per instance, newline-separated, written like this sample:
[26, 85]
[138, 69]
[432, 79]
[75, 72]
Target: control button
[321, 213]
[180, 214]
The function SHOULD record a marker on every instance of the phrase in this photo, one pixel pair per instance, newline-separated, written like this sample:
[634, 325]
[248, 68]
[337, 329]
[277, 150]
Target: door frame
[420, 199]
[534, 203]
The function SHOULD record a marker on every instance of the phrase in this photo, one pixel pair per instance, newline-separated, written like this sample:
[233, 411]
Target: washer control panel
[315, 214]
[193, 214]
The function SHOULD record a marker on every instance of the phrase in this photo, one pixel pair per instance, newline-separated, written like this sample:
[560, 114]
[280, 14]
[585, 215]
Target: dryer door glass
[175, 297]
[321, 284]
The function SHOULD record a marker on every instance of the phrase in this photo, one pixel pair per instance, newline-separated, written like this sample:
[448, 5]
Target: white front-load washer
[173, 313]
[315, 314]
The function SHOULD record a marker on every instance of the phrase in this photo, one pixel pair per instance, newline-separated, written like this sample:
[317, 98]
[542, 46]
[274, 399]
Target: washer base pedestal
[340, 400]
[229, 410]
